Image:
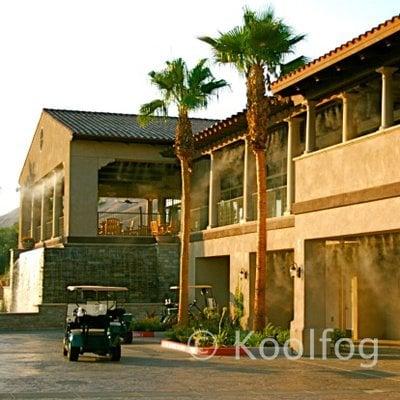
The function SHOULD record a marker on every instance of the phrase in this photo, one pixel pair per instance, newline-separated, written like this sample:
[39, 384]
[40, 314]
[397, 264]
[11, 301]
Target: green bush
[224, 328]
[337, 334]
[282, 336]
[151, 324]
[8, 240]
[179, 333]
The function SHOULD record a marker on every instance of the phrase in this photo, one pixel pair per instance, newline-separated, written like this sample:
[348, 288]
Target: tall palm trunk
[257, 119]
[184, 149]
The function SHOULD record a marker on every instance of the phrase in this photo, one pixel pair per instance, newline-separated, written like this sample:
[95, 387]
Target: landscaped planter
[220, 351]
[204, 351]
[148, 334]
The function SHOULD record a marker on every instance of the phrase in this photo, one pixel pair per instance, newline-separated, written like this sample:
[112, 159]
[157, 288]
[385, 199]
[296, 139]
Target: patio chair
[113, 226]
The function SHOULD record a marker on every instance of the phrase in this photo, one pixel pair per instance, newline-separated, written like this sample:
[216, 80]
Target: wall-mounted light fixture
[295, 271]
[243, 274]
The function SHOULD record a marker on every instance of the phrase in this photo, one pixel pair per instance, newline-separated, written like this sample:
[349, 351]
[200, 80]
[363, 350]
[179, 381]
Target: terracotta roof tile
[388, 27]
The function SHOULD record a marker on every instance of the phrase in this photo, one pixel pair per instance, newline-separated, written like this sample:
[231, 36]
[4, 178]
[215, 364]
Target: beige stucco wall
[87, 157]
[362, 163]
[364, 218]
[55, 150]
[40, 162]
[239, 249]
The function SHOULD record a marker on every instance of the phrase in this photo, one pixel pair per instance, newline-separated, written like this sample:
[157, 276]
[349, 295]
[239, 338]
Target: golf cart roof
[97, 288]
[193, 287]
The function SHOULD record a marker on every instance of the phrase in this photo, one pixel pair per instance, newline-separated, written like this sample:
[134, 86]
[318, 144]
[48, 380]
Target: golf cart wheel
[115, 353]
[128, 338]
[73, 353]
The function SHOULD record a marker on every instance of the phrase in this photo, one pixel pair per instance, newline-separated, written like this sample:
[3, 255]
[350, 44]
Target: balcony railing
[230, 211]
[135, 224]
[276, 202]
[199, 218]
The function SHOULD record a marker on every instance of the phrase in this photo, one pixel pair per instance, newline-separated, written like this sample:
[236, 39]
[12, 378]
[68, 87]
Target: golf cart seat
[117, 313]
[95, 322]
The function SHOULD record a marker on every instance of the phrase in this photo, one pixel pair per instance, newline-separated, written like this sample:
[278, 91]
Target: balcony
[230, 211]
[135, 224]
[199, 218]
[276, 202]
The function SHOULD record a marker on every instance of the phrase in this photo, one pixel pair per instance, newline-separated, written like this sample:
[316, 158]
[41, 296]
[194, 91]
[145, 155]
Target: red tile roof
[362, 41]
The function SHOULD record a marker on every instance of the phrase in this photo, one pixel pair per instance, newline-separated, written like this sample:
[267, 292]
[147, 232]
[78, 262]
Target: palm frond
[153, 108]
[293, 65]
[263, 39]
[230, 47]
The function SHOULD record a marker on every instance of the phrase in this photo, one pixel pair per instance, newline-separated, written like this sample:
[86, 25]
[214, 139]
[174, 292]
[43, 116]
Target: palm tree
[187, 90]
[258, 49]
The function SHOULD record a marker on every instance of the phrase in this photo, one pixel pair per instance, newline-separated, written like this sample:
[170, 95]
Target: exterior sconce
[243, 274]
[295, 271]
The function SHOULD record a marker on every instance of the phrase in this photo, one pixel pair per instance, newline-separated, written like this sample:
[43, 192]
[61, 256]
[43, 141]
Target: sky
[95, 55]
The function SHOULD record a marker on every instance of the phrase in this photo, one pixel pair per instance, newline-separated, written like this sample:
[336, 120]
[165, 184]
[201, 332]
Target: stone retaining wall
[48, 316]
[42, 275]
[52, 316]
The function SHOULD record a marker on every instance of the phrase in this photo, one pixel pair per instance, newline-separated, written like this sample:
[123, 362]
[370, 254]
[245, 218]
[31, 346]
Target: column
[293, 146]
[149, 212]
[310, 126]
[347, 127]
[214, 193]
[161, 209]
[25, 214]
[56, 206]
[249, 183]
[34, 215]
[387, 96]
[43, 214]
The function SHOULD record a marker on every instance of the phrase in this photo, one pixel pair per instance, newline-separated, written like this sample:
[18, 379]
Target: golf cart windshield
[96, 299]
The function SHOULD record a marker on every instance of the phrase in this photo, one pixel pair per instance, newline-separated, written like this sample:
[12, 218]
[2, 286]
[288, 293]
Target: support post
[149, 213]
[25, 214]
[387, 96]
[56, 206]
[214, 193]
[310, 126]
[347, 127]
[293, 146]
[161, 209]
[34, 216]
[43, 214]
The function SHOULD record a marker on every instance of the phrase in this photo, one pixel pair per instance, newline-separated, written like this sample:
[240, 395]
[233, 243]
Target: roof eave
[98, 138]
[331, 59]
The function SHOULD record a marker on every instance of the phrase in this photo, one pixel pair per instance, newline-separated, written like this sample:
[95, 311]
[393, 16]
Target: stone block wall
[146, 269]
[52, 316]
[47, 316]
[168, 267]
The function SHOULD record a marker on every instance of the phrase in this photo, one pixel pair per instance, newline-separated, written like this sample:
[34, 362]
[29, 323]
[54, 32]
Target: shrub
[148, 325]
[282, 336]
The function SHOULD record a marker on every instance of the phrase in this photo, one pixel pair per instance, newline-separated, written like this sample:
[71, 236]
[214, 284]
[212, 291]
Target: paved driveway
[32, 367]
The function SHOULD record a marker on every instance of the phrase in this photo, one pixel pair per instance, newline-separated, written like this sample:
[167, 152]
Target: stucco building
[333, 194]
[99, 205]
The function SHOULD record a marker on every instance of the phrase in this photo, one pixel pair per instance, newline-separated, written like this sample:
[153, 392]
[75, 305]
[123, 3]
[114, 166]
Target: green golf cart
[95, 323]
